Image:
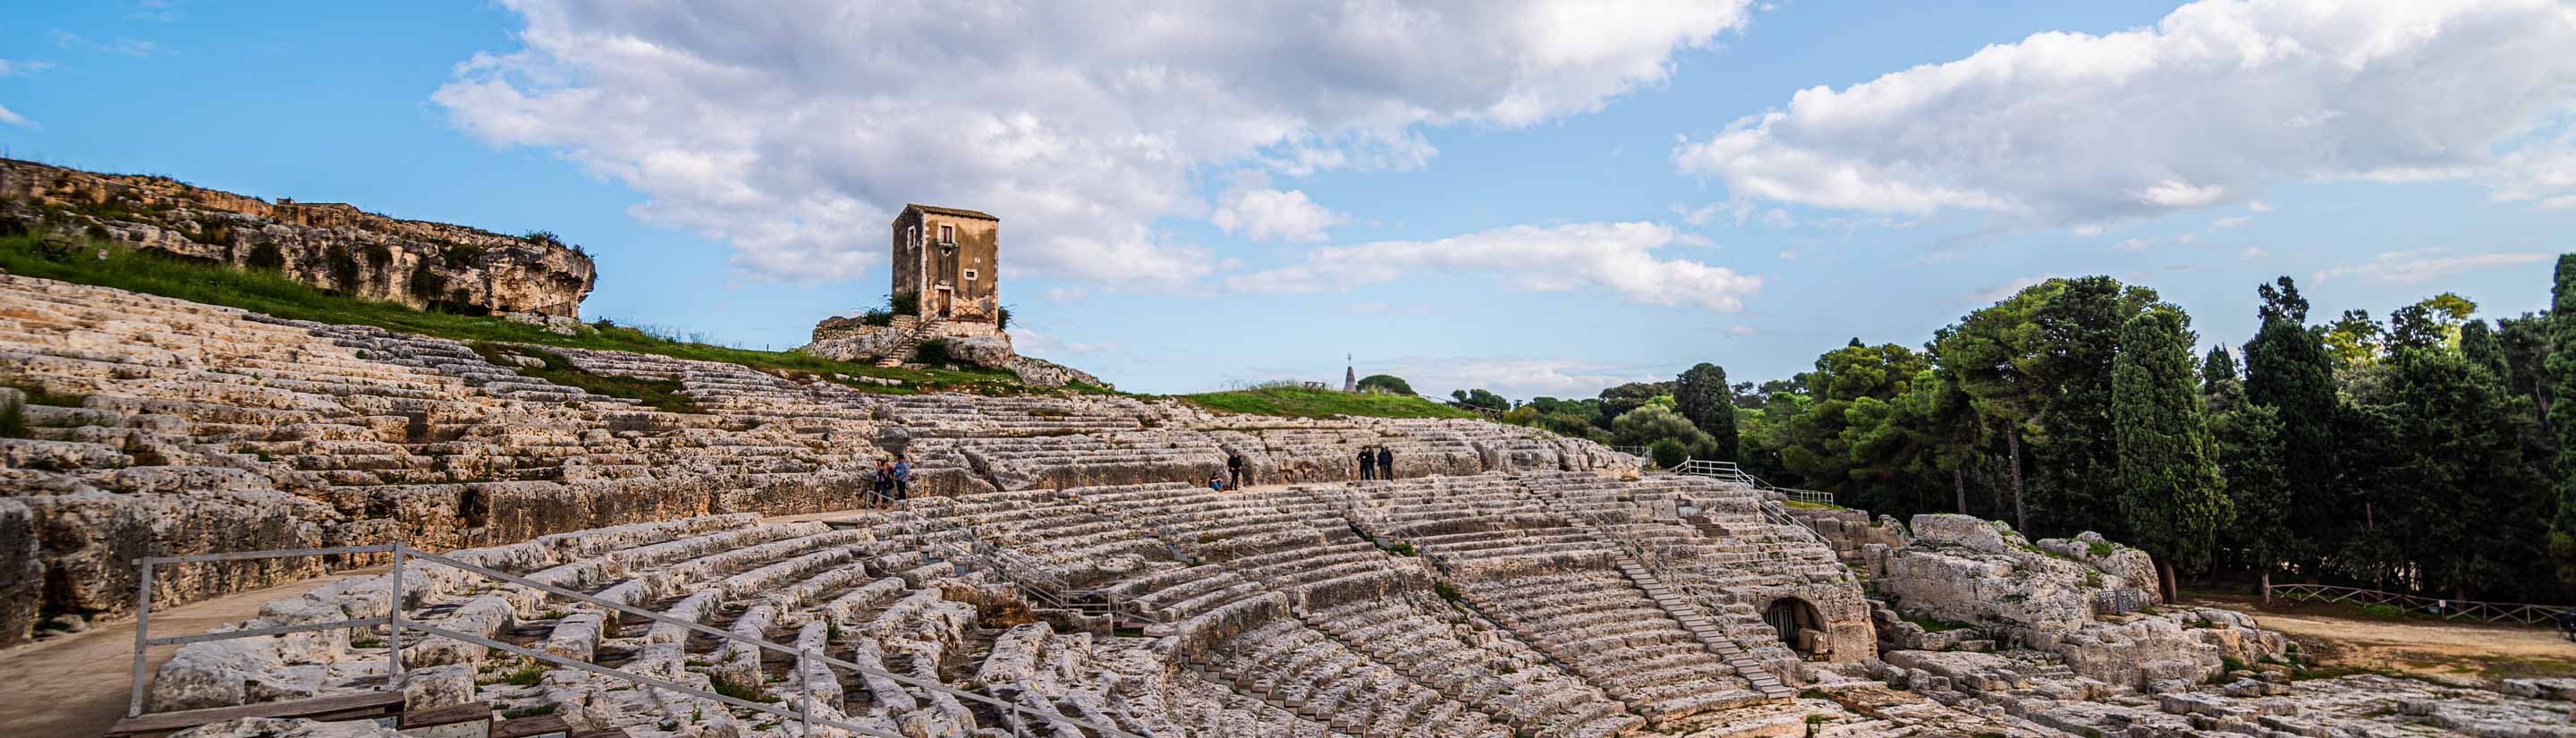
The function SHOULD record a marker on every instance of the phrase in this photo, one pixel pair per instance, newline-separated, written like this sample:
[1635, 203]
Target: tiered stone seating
[1499, 677]
[1308, 671]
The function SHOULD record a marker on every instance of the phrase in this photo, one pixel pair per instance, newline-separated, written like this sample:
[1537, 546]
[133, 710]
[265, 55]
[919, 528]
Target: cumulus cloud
[2252, 252]
[12, 117]
[2220, 97]
[2402, 268]
[1616, 256]
[794, 130]
[2231, 221]
[1264, 214]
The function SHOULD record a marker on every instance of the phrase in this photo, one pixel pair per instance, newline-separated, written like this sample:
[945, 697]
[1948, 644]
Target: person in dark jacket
[1368, 464]
[1385, 463]
[902, 478]
[884, 487]
[1234, 469]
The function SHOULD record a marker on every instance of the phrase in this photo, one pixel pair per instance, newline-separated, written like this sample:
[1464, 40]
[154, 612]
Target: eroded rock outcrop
[329, 245]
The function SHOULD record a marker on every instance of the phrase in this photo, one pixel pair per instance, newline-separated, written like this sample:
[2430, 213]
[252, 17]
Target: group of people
[894, 479]
[1377, 462]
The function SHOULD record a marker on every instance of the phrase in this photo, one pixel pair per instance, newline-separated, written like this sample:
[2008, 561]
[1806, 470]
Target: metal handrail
[397, 622]
[1729, 471]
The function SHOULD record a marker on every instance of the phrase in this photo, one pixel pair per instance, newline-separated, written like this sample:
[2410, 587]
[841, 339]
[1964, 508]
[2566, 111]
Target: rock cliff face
[329, 245]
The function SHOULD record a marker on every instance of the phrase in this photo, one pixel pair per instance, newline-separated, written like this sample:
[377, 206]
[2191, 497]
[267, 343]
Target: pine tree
[1702, 395]
[2169, 486]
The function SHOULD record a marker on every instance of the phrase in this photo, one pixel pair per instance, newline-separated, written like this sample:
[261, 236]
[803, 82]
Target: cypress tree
[2287, 368]
[2258, 486]
[2167, 461]
[1702, 395]
[2560, 370]
[2219, 381]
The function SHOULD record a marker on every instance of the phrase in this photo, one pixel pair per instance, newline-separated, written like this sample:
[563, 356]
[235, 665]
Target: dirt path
[76, 685]
[2342, 636]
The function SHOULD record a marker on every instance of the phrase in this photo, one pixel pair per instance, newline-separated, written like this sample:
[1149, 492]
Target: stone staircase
[912, 326]
[1692, 618]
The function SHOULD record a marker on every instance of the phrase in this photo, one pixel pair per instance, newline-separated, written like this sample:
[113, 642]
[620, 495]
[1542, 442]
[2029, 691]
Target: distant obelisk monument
[1350, 378]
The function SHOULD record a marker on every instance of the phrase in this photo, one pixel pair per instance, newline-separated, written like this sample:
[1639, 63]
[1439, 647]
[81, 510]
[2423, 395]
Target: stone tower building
[951, 259]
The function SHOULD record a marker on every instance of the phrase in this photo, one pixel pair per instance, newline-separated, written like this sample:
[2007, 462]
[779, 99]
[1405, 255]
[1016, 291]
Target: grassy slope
[274, 294]
[1298, 402]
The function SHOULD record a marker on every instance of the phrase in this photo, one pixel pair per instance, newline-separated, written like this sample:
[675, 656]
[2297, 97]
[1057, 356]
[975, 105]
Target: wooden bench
[360, 706]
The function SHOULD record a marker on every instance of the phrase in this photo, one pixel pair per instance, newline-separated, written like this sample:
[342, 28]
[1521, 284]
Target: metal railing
[396, 622]
[1729, 471]
[2490, 612]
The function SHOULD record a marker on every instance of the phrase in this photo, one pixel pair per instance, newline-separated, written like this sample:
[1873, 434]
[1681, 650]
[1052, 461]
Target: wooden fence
[2488, 612]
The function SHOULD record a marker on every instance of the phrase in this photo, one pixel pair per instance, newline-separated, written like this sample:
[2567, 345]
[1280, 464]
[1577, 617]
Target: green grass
[1299, 402]
[659, 394]
[1936, 625]
[524, 712]
[267, 292]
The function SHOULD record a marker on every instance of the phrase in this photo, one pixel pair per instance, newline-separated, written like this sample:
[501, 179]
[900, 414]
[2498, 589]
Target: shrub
[1001, 318]
[2383, 612]
[427, 285]
[905, 303]
[933, 351]
[344, 268]
[1668, 452]
[1387, 383]
[877, 318]
[460, 256]
[2101, 549]
[544, 238]
[13, 418]
[266, 256]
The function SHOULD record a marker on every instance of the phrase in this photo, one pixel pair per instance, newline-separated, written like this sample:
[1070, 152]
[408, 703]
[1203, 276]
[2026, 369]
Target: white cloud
[2231, 221]
[793, 130]
[1742, 330]
[1030, 342]
[1614, 256]
[121, 46]
[1264, 214]
[2561, 202]
[2402, 268]
[1519, 379]
[2252, 252]
[15, 67]
[12, 117]
[1998, 292]
[2260, 206]
[1066, 294]
[2217, 99]
[2134, 244]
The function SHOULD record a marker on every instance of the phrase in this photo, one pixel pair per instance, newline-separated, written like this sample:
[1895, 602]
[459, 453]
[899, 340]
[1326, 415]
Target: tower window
[947, 234]
[970, 275]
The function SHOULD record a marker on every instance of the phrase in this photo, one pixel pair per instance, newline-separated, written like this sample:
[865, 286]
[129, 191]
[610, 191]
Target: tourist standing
[1234, 469]
[902, 477]
[884, 486]
[1368, 464]
[1385, 463]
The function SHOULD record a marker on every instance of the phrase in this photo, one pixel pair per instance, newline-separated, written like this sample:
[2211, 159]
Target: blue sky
[1482, 194]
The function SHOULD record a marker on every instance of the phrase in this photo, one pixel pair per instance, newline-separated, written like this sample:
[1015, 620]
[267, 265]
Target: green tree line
[2421, 453]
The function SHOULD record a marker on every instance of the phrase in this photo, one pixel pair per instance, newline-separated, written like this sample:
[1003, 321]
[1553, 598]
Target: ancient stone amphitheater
[1060, 569]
